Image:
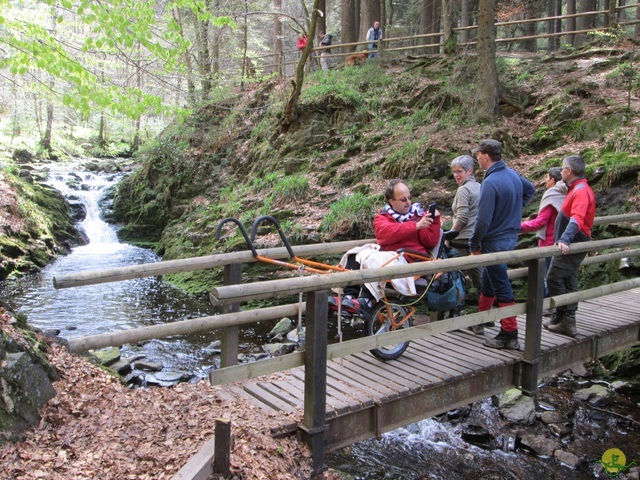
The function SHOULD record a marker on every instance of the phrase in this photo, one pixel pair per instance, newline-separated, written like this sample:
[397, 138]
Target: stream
[431, 449]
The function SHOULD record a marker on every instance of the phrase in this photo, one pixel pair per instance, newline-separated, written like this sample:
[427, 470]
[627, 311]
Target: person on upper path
[325, 41]
[573, 225]
[503, 195]
[374, 35]
[544, 222]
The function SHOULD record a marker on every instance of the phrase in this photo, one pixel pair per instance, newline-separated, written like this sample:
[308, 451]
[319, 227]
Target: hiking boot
[477, 329]
[362, 306]
[504, 341]
[554, 320]
[567, 326]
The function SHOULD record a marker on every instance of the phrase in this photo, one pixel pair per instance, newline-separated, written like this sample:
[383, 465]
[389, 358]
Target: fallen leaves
[98, 428]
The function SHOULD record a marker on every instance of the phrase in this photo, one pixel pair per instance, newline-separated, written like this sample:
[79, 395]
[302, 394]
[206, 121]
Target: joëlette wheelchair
[393, 310]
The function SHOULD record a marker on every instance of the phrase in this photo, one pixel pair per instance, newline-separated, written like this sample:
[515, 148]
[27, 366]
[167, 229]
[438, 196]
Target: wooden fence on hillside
[612, 22]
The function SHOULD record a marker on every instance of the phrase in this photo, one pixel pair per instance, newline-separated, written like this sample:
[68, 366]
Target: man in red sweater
[573, 224]
[402, 224]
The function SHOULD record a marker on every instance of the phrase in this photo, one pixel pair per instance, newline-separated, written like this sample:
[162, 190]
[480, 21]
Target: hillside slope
[360, 127]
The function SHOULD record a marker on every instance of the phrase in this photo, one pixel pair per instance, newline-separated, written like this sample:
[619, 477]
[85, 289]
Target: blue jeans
[495, 282]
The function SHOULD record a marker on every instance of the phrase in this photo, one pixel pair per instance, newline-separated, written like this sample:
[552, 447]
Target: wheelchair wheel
[381, 323]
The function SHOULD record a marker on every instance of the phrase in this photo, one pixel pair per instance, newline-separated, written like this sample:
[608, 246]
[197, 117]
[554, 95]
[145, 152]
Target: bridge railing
[317, 352]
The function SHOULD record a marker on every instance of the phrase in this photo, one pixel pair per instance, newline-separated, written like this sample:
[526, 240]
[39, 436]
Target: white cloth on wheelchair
[370, 256]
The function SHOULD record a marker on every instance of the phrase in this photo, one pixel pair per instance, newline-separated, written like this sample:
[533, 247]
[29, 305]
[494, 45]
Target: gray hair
[555, 173]
[576, 164]
[464, 161]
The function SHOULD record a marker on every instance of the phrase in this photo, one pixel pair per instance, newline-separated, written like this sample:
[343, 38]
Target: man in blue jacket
[503, 195]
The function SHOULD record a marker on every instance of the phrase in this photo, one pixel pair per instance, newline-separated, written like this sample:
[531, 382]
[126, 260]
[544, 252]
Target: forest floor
[97, 427]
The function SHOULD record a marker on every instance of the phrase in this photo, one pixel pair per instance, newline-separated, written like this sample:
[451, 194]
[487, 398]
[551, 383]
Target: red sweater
[392, 235]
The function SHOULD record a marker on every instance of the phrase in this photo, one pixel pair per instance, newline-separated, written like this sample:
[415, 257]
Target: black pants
[562, 277]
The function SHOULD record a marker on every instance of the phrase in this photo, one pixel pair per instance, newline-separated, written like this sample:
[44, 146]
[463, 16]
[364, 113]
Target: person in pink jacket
[544, 222]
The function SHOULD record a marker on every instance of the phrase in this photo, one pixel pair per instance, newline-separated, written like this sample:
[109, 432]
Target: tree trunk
[571, 22]
[622, 13]
[531, 10]
[448, 38]
[277, 39]
[369, 13]
[321, 21]
[203, 57]
[215, 44]
[487, 82]
[191, 86]
[102, 131]
[554, 26]
[585, 22]
[348, 32]
[291, 109]
[135, 144]
[638, 24]
[464, 21]
[429, 23]
[45, 142]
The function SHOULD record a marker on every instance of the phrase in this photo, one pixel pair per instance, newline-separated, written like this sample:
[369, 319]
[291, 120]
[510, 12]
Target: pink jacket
[546, 217]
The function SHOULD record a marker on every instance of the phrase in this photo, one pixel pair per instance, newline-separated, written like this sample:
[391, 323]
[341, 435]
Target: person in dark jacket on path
[503, 195]
[573, 225]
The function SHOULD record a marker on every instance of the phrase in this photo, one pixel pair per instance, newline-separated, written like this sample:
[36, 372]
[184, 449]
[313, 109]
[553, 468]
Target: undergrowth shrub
[291, 188]
[351, 215]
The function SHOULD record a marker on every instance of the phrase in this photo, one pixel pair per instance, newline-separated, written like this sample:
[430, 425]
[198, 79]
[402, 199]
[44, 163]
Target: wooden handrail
[95, 277]
[287, 286]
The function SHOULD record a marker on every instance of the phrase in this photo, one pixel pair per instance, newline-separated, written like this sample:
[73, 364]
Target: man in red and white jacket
[573, 225]
[403, 224]
[400, 224]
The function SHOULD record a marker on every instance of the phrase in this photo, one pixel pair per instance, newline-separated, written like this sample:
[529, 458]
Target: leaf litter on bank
[96, 427]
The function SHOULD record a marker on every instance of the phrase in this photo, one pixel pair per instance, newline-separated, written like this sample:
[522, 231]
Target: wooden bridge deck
[366, 397]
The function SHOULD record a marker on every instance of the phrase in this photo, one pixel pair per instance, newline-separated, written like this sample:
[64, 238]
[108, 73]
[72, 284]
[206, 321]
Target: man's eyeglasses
[403, 199]
[565, 168]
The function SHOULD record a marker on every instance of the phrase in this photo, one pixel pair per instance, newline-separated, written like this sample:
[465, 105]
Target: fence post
[315, 378]
[222, 447]
[229, 354]
[533, 332]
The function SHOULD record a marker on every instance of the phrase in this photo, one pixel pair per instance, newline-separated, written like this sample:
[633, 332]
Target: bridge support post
[533, 333]
[315, 378]
[229, 354]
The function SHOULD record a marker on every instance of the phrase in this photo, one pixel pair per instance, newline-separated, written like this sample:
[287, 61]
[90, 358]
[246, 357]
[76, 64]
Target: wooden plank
[501, 357]
[415, 361]
[381, 373]
[355, 376]
[350, 396]
[337, 402]
[266, 397]
[387, 372]
[294, 389]
[461, 359]
[477, 360]
[287, 392]
[376, 379]
[450, 366]
[238, 391]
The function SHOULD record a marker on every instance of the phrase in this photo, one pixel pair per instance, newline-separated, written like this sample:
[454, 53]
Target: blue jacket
[503, 195]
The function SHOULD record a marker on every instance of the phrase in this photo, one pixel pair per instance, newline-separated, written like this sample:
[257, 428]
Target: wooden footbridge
[344, 393]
